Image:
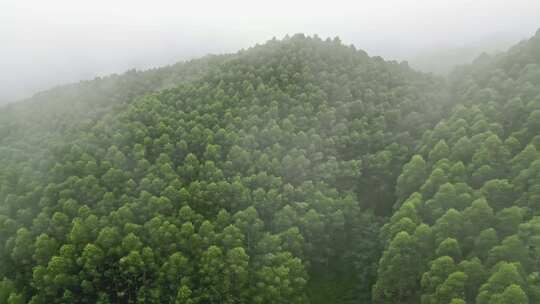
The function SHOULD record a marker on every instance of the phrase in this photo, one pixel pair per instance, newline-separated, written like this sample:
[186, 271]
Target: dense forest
[301, 170]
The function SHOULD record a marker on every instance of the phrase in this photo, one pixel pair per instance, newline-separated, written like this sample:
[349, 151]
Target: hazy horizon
[59, 42]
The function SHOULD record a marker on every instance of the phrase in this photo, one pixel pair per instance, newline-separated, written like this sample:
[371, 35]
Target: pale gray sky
[46, 43]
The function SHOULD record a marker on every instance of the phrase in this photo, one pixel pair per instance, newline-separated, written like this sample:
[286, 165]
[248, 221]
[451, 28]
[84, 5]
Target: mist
[49, 43]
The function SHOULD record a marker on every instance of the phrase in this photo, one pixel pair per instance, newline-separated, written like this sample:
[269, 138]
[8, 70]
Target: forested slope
[470, 198]
[301, 170]
[55, 113]
[233, 188]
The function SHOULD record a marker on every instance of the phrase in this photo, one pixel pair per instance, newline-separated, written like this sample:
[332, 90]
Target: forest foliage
[297, 171]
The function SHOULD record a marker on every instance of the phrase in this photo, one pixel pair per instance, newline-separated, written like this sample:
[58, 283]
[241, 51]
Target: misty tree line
[266, 175]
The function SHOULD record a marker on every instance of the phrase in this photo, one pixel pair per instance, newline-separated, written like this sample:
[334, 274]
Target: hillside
[77, 106]
[469, 199]
[297, 171]
[258, 162]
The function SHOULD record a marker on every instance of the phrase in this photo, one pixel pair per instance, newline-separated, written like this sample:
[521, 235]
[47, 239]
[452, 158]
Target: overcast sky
[46, 43]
